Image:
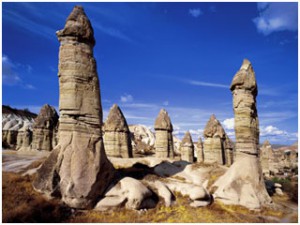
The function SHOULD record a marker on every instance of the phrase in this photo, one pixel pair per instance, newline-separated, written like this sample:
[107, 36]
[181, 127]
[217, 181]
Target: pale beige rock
[164, 147]
[187, 148]
[78, 167]
[214, 144]
[116, 136]
[266, 158]
[44, 129]
[200, 151]
[229, 151]
[243, 183]
[128, 191]
[278, 191]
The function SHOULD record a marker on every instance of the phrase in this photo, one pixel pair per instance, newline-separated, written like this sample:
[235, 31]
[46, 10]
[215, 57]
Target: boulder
[78, 167]
[243, 183]
[44, 129]
[164, 147]
[117, 141]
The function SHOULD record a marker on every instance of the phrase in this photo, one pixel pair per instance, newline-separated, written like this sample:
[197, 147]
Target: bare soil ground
[20, 203]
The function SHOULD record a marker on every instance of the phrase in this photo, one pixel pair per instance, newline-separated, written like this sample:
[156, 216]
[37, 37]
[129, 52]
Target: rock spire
[243, 183]
[187, 148]
[44, 129]
[164, 140]
[77, 169]
[214, 144]
[116, 136]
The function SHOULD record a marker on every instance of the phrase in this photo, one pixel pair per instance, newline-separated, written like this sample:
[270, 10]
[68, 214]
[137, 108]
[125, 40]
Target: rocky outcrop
[214, 144]
[117, 141]
[16, 128]
[243, 183]
[164, 147]
[44, 129]
[200, 152]
[77, 168]
[187, 148]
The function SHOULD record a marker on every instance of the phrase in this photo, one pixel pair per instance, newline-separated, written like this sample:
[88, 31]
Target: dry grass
[20, 203]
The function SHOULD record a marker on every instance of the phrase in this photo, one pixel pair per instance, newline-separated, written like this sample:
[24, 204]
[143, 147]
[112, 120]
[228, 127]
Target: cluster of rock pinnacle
[78, 169]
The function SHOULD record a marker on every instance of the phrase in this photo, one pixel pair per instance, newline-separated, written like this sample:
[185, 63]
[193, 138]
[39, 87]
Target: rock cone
[44, 129]
[164, 140]
[243, 183]
[187, 148]
[116, 136]
[214, 144]
[77, 168]
[200, 153]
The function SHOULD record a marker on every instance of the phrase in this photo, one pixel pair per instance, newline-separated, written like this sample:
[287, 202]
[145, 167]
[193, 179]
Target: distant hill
[18, 112]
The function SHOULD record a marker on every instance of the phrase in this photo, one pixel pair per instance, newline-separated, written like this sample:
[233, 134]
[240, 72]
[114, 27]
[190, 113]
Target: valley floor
[20, 203]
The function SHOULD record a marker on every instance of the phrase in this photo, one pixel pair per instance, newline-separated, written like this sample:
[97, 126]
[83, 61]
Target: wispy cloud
[113, 32]
[196, 12]
[10, 76]
[276, 16]
[205, 84]
[29, 24]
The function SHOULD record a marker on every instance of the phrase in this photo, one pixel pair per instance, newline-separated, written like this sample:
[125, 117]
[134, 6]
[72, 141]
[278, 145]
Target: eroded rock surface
[44, 129]
[243, 183]
[78, 167]
[164, 147]
[200, 152]
[116, 136]
[187, 148]
[214, 144]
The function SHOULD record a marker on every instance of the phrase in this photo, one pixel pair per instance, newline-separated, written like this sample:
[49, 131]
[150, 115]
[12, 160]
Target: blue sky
[177, 56]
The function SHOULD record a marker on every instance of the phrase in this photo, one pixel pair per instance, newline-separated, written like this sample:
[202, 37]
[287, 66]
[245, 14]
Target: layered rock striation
[187, 148]
[243, 183]
[116, 136]
[77, 169]
[214, 144]
[200, 152]
[164, 147]
[45, 129]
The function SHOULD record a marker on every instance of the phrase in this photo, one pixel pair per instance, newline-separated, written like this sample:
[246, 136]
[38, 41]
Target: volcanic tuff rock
[116, 136]
[163, 131]
[266, 158]
[78, 167]
[16, 128]
[44, 129]
[214, 144]
[187, 148]
[243, 183]
[200, 153]
[229, 154]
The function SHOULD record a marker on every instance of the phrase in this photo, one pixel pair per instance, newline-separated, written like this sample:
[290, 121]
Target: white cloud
[206, 84]
[277, 136]
[195, 12]
[228, 124]
[9, 76]
[126, 98]
[276, 16]
[166, 103]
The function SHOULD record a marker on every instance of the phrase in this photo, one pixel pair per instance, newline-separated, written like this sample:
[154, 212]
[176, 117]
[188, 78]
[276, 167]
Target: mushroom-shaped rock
[78, 168]
[200, 152]
[116, 136]
[163, 131]
[214, 147]
[44, 128]
[187, 148]
[243, 183]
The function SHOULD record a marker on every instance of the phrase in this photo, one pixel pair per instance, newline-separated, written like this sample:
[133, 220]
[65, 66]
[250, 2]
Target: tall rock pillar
[200, 153]
[78, 167]
[116, 136]
[164, 147]
[243, 183]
